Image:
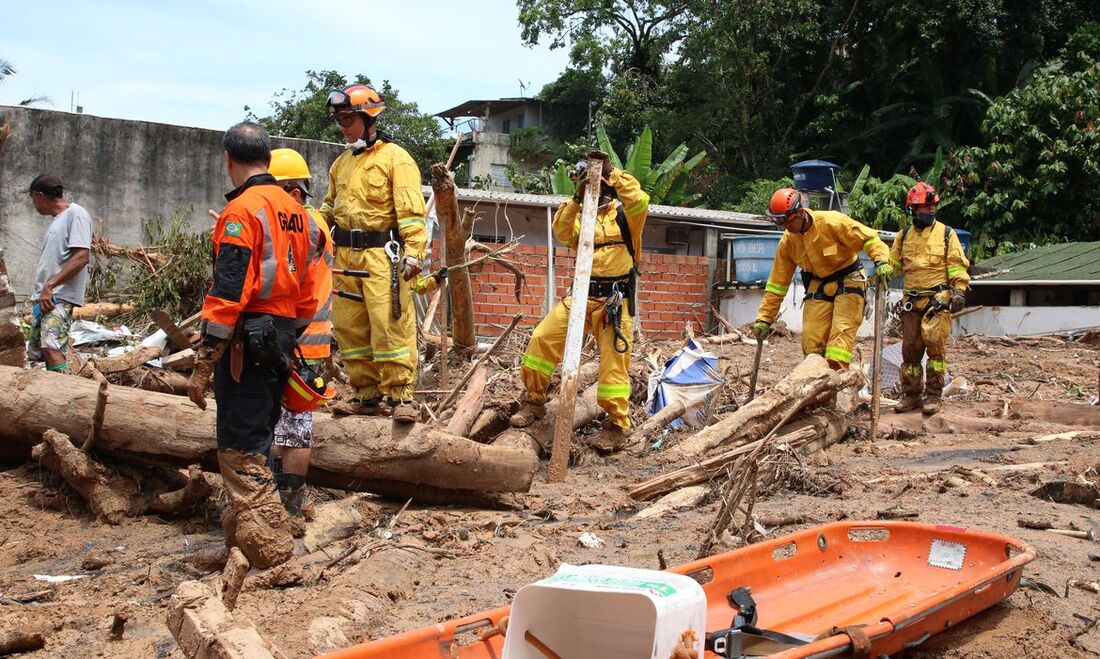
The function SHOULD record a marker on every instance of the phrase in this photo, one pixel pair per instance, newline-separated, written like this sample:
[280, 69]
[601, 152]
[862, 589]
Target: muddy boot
[359, 407]
[405, 411]
[610, 439]
[262, 528]
[910, 388]
[527, 414]
[934, 377]
[292, 492]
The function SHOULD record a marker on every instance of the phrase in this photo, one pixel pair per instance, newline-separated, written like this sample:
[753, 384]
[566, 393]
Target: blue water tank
[814, 175]
[964, 238]
[753, 256]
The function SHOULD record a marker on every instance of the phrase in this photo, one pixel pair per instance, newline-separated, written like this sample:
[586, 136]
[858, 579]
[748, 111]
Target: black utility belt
[599, 287]
[837, 278]
[927, 292]
[356, 239]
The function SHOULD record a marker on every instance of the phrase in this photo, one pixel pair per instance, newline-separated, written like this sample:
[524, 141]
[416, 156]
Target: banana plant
[667, 182]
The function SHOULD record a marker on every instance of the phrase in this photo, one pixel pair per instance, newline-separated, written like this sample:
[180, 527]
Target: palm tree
[7, 69]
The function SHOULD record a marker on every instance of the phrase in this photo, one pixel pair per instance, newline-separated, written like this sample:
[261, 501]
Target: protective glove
[761, 330]
[884, 271]
[934, 307]
[440, 274]
[205, 357]
[410, 267]
[957, 302]
[605, 162]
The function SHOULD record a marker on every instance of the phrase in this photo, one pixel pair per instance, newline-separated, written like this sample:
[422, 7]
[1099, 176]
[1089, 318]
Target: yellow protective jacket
[834, 241]
[377, 188]
[930, 258]
[611, 258]
[316, 340]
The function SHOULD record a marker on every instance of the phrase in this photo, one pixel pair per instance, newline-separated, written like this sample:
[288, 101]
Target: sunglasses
[345, 120]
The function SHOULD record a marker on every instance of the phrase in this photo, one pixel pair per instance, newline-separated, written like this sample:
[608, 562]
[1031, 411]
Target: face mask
[924, 220]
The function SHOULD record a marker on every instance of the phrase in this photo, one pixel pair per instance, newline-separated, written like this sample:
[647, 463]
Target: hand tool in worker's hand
[350, 273]
[876, 361]
[348, 296]
[755, 369]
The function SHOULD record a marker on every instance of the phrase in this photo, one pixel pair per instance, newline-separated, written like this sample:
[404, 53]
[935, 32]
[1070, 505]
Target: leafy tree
[568, 102]
[302, 113]
[7, 70]
[627, 34]
[1037, 176]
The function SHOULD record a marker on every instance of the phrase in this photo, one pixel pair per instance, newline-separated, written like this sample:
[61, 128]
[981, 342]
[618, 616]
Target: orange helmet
[921, 193]
[357, 98]
[784, 203]
[306, 388]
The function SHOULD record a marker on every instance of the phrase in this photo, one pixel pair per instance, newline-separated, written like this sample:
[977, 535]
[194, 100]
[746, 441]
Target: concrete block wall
[124, 172]
[673, 291]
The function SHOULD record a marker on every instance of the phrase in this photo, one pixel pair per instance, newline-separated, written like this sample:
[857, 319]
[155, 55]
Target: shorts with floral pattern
[50, 331]
[294, 430]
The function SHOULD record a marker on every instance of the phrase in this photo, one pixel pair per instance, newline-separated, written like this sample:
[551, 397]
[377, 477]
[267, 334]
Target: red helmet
[921, 193]
[306, 388]
[784, 203]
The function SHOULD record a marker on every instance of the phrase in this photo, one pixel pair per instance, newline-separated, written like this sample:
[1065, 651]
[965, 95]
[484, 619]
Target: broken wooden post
[470, 406]
[462, 308]
[176, 337]
[481, 360]
[876, 360]
[97, 418]
[574, 336]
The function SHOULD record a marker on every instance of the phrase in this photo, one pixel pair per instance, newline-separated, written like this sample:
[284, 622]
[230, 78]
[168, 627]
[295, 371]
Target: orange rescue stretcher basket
[898, 582]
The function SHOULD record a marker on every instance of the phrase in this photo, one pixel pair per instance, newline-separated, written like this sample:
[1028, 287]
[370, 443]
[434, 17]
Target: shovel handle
[755, 369]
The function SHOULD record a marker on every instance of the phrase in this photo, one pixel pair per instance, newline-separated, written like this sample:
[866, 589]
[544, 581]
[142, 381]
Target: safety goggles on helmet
[341, 102]
[785, 204]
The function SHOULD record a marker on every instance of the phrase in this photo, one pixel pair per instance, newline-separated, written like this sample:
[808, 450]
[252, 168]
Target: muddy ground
[433, 563]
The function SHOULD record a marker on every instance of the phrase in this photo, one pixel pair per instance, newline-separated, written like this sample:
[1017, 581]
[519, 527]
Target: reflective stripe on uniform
[870, 241]
[937, 365]
[539, 364]
[613, 390]
[410, 221]
[314, 339]
[911, 369]
[636, 209]
[219, 330]
[777, 289]
[955, 271]
[392, 355]
[357, 353]
[267, 259]
[324, 314]
[838, 354]
[315, 245]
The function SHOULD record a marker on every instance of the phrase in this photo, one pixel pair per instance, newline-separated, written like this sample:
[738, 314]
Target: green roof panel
[1066, 261]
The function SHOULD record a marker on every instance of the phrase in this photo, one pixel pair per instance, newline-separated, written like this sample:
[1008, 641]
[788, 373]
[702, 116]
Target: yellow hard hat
[287, 164]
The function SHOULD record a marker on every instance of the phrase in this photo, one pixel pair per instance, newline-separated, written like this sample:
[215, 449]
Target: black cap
[47, 184]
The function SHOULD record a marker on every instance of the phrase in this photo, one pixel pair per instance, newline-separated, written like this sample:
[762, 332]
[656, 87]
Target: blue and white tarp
[691, 376]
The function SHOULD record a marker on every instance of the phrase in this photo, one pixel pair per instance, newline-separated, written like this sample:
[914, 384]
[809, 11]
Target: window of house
[506, 126]
[519, 121]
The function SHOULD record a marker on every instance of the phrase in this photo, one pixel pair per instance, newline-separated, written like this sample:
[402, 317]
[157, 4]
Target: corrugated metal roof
[480, 108]
[675, 213]
[1067, 261]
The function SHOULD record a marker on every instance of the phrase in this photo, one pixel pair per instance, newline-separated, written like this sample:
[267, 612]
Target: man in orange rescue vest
[268, 254]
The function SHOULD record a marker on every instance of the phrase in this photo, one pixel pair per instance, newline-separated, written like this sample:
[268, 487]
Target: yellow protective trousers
[829, 327]
[378, 351]
[920, 335]
[547, 344]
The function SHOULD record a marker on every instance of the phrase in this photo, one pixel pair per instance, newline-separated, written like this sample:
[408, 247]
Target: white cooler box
[588, 611]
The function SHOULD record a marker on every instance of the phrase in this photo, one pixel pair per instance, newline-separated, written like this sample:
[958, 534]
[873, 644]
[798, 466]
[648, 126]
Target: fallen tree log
[95, 310]
[1056, 411]
[810, 382]
[812, 433]
[110, 496]
[204, 627]
[355, 453]
[914, 423]
[469, 406]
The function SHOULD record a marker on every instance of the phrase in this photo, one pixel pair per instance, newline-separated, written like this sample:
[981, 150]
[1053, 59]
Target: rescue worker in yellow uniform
[931, 257]
[826, 245]
[294, 431]
[375, 208]
[610, 304]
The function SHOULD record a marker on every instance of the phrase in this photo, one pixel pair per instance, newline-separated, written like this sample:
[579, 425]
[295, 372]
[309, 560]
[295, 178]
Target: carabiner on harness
[393, 251]
[613, 307]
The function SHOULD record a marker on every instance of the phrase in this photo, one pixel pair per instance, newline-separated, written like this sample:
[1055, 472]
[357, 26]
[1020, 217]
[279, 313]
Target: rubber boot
[405, 411]
[360, 407]
[527, 414]
[933, 390]
[910, 388]
[261, 529]
[610, 439]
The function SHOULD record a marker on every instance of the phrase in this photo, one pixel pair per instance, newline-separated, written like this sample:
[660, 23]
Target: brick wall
[673, 290]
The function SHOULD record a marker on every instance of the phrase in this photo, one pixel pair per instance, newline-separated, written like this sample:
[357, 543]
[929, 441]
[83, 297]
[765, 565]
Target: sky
[199, 63]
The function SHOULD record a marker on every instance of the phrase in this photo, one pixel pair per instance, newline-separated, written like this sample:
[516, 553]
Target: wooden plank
[574, 336]
[176, 337]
